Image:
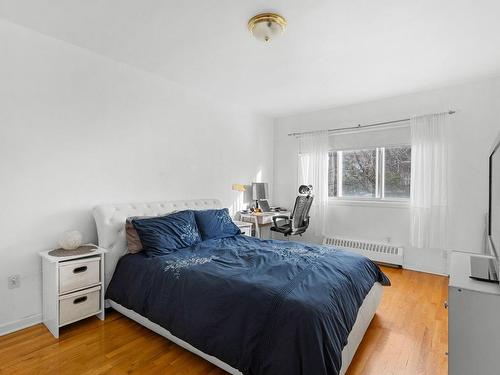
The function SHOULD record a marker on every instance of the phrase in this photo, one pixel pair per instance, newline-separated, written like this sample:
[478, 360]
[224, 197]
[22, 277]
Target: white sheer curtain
[313, 170]
[429, 182]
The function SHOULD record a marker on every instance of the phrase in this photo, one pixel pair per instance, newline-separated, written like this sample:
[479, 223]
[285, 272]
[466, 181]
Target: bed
[248, 306]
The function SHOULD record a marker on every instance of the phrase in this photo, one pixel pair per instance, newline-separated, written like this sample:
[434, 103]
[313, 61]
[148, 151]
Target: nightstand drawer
[78, 274]
[78, 305]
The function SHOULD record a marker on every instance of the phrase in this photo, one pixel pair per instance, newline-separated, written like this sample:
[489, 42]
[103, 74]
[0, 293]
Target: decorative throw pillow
[215, 224]
[134, 244]
[165, 234]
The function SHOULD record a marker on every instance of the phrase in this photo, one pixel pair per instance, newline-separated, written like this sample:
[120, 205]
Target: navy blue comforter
[263, 307]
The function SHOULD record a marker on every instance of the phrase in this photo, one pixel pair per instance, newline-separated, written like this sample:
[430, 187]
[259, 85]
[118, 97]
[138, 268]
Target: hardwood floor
[408, 336]
[409, 333]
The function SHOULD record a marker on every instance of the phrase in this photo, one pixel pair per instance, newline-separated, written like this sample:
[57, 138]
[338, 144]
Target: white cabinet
[73, 288]
[473, 321]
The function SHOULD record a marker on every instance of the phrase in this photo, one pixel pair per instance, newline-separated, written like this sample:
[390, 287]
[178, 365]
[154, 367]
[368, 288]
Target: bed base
[365, 315]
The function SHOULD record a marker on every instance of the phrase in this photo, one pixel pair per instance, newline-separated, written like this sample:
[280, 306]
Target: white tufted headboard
[110, 221]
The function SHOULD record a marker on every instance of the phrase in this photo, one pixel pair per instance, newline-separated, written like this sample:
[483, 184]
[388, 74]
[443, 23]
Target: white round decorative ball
[71, 240]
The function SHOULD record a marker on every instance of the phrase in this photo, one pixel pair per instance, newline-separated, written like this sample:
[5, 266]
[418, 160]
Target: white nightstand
[245, 227]
[73, 288]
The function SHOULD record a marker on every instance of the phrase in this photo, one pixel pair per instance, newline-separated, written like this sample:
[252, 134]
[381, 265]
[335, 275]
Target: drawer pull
[445, 304]
[80, 300]
[80, 269]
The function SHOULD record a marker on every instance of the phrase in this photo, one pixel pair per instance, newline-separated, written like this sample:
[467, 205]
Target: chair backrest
[301, 210]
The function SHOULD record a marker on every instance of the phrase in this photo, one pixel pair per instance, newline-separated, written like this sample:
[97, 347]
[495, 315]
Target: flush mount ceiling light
[266, 26]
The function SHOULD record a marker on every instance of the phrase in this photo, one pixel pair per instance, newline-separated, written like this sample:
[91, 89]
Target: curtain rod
[359, 126]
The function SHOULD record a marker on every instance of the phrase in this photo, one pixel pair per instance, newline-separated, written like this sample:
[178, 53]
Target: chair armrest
[279, 217]
[306, 221]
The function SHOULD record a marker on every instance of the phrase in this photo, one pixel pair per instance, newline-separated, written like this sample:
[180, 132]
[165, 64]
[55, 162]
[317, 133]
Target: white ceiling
[333, 52]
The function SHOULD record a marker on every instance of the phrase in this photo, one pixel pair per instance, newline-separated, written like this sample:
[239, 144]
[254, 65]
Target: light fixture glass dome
[266, 26]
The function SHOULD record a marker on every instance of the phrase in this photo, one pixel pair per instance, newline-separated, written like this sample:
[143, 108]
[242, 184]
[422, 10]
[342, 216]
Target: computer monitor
[260, 190]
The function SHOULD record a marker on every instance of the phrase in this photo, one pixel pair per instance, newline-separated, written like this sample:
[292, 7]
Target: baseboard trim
[20, 324]
[417, 269]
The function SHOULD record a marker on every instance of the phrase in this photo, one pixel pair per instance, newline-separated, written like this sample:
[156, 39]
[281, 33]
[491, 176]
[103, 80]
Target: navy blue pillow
[215, 224]
[165, 234]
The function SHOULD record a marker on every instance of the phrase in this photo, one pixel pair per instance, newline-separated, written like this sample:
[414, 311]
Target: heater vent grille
[378, 252]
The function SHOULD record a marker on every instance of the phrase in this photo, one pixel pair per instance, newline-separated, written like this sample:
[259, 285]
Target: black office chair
[298, 222]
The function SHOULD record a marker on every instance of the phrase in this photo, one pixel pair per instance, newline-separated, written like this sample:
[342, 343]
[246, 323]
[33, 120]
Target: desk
[261, 219]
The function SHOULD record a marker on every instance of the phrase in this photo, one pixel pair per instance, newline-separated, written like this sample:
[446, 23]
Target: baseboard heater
[378, 252]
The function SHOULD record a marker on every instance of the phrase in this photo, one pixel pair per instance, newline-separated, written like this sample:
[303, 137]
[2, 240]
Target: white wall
[474, 127]
[78, 129]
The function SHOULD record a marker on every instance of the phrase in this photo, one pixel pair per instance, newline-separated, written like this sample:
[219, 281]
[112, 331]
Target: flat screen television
[494, 201]
[482, 268]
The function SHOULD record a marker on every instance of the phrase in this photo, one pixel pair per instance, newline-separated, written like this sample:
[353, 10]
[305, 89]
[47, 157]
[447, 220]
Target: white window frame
[380, 198]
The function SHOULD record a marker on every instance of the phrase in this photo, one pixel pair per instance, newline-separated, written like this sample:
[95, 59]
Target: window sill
[369, 203]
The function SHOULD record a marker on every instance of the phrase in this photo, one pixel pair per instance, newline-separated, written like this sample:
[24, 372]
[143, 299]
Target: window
[373, 173]
[397, 172]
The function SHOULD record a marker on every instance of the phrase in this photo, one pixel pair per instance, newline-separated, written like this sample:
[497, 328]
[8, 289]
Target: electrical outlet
[14, 281]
